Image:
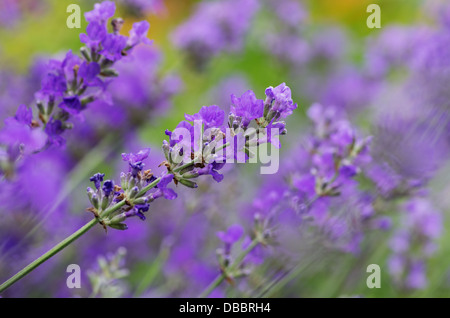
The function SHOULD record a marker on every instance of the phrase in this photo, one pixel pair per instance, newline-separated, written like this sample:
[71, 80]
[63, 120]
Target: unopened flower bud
[188, 183]
[117, 24]
[190, 175]
[94, 200]
[119, 226]
[133, 193]
[85, 52]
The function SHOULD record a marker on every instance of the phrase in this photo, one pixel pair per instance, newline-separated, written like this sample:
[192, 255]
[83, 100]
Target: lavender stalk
[113, 204]
[219, 279]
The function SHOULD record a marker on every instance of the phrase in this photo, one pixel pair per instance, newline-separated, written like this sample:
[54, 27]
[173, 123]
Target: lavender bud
[190, 175]
[94, 200]
[105, 202]
[117, 219]
[141, 200]
[166, 149]
[235, 124]
[124, 181]
[117, 24]
[109, 73]
[40, 107]
[267, 105]
[84, 51]
[119, 226]
[133, 193]
[87, 100]
[131, 183]
[90, 193]
[188, 183]
[231, 118]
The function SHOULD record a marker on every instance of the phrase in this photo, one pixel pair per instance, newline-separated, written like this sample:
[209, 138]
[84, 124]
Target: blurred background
[390, 83]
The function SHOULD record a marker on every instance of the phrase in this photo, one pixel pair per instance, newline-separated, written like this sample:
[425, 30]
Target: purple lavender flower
[180, 139]
[97, 179]
[290, 12]
[15, 88]
[69, 64]
[421, 226]
[349, 89]
[135, 160]
[212, 170]
[139, 210]
[231, 236]
[69, 83]
[248, 107]
[101, 13]
[421, 214]
[24, 115]
[54, 129]
[140, 85]
[138, 96]
[72, 105]
[53, 82]
[135, 157]
[163, 190]
[319, 190]
[136, 184]
[138, 34]
[280, 99]
[394, 47]
[211, 116]
[95, 34]
[89, 72]
[108, 187]
[18, 132]
[113, 46]
[417, 278]
[214, 27]
[10, 13]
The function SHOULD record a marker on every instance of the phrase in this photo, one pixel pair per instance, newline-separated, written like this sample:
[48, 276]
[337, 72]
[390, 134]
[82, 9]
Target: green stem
[190, 163]
[223, 146]
[219, 279]
[148, 187]
[56, 249]
[238, 261]
[59, 247]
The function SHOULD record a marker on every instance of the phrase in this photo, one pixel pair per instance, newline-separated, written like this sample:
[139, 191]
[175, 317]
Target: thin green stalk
[291, 274]
[63, 244]
[69, 240]
[148, 187]
[223, 146]
[152, 271]
[190, 163]
[219, 279]
[238, 261]
[56, 249]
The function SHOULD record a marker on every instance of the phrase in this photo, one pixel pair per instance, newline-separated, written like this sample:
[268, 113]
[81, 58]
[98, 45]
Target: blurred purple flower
[248, 107]
[211, 116]
[232, 235]
[101, 13]
[138, 34]
[281, 100]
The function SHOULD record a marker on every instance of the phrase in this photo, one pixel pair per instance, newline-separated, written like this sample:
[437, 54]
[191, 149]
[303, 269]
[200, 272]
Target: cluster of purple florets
[136, 184]
[68, 86]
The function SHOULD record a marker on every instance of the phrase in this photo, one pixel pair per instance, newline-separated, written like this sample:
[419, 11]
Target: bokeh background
[325, 52]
